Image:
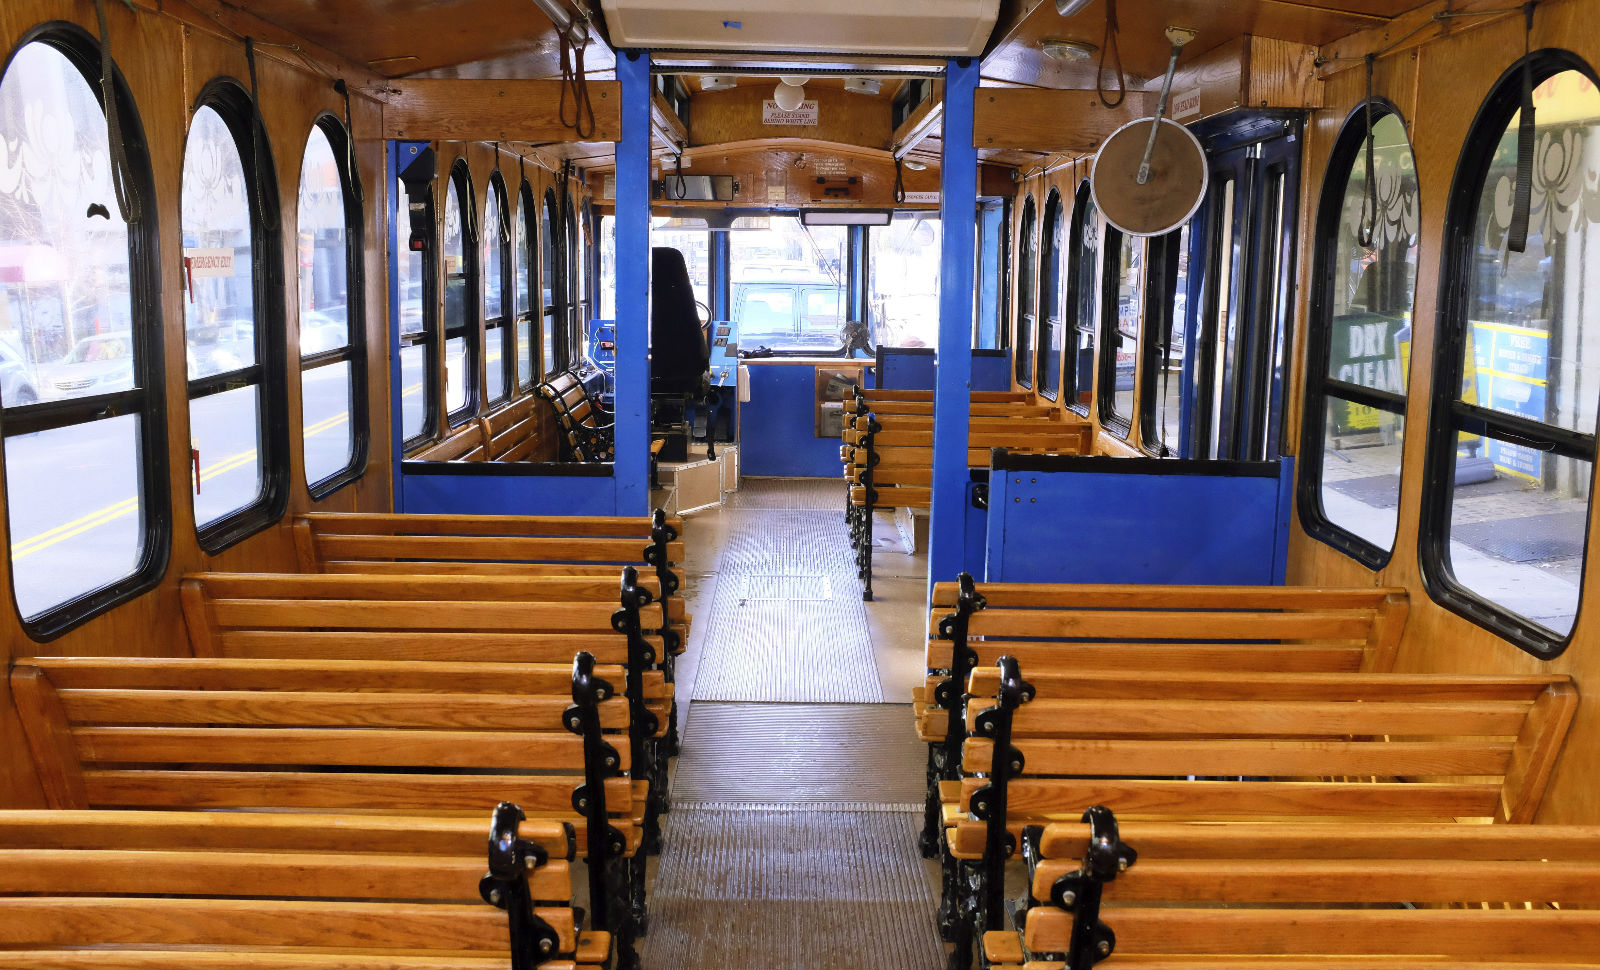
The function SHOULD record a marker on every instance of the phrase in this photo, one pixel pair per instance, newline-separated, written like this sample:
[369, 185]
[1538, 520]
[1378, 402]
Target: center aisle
[792, 842]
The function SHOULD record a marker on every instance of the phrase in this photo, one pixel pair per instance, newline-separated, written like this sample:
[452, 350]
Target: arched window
[496, 254]
[233, 319]
[1511, 436]
[572, 261]
[1027, 294]
[80, 372]
[1083, 297]
[1356, 361]
[554, 280]
[459, 250]
[1120, 307]
[333, 359]
[1050, 298]
[416, 256]
[524, 241]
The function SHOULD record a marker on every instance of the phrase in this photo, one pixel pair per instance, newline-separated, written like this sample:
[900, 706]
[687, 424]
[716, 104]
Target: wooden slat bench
[1056, 626]
[515, 545]
[1194, 746]
[466, 443]
[385, 617]
[512, 432]
[888, 458]
[1313, 897]
[392, 737]
[140, 890]
[585, 428]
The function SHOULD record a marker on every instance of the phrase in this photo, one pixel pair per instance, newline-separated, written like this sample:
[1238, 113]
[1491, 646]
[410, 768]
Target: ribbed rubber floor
[790, 493]
[786, 622]
[787, 888]
[800, 753]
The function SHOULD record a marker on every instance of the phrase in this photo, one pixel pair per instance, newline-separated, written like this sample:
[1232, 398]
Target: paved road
[73, 494]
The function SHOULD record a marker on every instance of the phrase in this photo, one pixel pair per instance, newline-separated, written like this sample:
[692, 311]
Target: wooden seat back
[466, 443]
[586, 429]
[515, 431]
[1321, 896]
[271, 892]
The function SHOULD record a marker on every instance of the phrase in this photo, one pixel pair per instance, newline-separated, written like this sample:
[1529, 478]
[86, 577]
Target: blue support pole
[632, 402]
[958, 207]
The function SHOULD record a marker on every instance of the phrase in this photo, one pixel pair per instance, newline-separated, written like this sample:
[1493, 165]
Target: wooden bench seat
[586, 429]
[515, 431]
[466, 443]
[349, 736]
[1275, 897]
[475, 618]
[1051, 627]
[1193, 746]
[253, 891]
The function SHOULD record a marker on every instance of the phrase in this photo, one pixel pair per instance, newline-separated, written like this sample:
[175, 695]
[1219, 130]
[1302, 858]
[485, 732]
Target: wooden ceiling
[441, 38]
[1015, 56]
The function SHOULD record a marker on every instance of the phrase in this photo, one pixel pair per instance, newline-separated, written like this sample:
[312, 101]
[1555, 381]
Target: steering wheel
[705, 315]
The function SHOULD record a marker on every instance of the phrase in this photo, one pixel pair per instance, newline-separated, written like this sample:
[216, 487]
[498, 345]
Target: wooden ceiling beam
[1409, 30]
[470, 110]
[1048, 121]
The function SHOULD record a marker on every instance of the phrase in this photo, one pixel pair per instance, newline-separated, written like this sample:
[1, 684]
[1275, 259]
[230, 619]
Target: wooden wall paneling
[1045, 120]
[785, 174]
[471, 110]
[1439, 84]
[734, 115]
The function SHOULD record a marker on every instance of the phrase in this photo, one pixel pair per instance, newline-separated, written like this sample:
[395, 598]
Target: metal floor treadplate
[786, 621]
[777, 888]
[794, 753]
[790, 493]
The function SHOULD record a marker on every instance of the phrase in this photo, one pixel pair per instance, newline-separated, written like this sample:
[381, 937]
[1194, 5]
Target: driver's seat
[680, 355]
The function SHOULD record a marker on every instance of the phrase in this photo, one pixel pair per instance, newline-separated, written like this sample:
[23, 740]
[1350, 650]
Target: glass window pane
[1521, 547]
[493, 360]
[329, 441]
[413, 390]
[1051, 299]
[777, 274]
[1529, 352]
[904, 260]
[219, 315]
[1222, 328]
[323, 250]
[1027, 255]
[66, 315]
[1085, 315]
[75, 510]
[1361, 470]
[409, 269]
[225, 429]
[455, 373]
[527, 373]
[608, 268]
[493, 248]
[1169, 393]
[524, 258]
[694, 244]
[1124, 342]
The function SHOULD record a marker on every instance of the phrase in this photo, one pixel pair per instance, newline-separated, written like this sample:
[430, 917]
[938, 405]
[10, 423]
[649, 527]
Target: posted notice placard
[771, 114]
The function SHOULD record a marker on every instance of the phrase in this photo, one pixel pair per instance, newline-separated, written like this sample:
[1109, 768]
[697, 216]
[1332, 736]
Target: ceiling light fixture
[1066, 50]
[718, 82]
[790, 92]
[1067, 8]
[912, 165]
[863, 85]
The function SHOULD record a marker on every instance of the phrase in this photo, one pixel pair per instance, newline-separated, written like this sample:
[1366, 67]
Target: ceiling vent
[939, 28]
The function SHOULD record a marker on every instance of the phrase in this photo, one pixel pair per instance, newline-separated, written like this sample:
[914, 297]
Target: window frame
[572, 263]
[1111, 241]
[527, 211]
[496, 393]
[1027, 276]
[147, 399]
[428, 336]
[470, 327]
[1082, 205]
[1049, 304]
[231, 100]
[1345, 157]
[355, 350]
[554, 312]
[1162, 257]
[1447, 414]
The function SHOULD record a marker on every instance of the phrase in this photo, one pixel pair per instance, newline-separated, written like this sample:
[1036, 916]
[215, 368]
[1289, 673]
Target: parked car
[788, 316]
[97, 364]
[16, 382]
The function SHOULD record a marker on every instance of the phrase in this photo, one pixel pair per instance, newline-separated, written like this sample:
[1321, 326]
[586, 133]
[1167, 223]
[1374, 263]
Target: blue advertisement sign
[1512, 365]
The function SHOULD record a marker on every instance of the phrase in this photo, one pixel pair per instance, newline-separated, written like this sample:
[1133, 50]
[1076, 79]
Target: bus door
[1242, 250]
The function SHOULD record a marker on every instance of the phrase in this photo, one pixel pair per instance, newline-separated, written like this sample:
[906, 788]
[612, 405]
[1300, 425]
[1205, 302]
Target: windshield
[789, 286]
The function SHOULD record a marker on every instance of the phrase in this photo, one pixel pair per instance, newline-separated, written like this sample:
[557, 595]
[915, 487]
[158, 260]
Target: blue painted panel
[912, 369]
[632, 402]
[507, 488]
[1138, 520]
[777, 426]
[977, 526]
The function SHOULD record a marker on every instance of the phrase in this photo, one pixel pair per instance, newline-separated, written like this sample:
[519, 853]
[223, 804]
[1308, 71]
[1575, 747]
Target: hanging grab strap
[122, 185]
[1517, 233]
